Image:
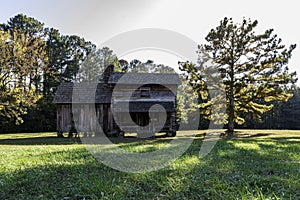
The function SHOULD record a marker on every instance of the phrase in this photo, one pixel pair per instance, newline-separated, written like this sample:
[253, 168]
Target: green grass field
[261, 164]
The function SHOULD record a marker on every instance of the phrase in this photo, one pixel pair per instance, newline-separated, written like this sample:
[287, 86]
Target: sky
[100, 20]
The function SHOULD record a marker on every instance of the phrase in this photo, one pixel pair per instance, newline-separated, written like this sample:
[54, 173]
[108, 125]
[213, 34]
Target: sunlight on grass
[248, 146]
[186, 162]
[145, 147]
[263, 165]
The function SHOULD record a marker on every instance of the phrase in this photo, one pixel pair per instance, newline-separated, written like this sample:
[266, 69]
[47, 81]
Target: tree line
[252, 68]
[35, 59]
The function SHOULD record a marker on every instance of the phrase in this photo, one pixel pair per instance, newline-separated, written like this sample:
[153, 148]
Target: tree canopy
[22, 59]
[33, 62]
[253, 68]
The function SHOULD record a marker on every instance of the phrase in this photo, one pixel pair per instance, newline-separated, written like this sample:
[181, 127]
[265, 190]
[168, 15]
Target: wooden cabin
[119, 103]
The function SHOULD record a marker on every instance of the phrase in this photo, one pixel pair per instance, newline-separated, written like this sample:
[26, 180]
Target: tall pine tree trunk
[230, 129]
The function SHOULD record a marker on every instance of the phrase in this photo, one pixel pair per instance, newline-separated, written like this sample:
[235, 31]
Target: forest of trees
[35, 59]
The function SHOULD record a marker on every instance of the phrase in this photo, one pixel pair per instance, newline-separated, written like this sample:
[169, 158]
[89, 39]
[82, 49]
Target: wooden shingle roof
[100, 92]
[83, 93]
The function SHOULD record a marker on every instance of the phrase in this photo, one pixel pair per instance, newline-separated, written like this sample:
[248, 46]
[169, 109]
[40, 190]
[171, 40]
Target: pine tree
[253, 68]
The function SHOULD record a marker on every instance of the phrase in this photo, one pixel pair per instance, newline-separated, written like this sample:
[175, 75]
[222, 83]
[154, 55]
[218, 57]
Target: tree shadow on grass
[235, 169]
[258, 135]
[89, 180]
[40, 141]
[286, 139]
[53, 140]
[230, 171]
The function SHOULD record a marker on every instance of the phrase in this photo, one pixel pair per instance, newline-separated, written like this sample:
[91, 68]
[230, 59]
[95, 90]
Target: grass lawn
[260, 164]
